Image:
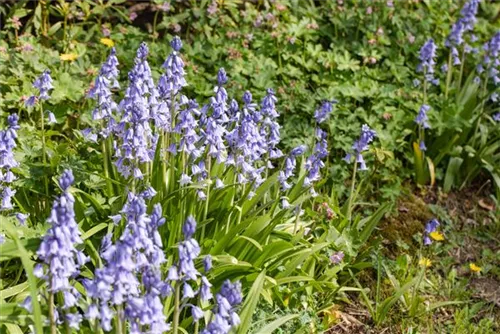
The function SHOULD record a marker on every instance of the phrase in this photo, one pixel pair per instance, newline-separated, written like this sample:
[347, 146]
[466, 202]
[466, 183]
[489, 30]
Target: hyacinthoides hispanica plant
[427, 62]
[180, 181]
[471, 96]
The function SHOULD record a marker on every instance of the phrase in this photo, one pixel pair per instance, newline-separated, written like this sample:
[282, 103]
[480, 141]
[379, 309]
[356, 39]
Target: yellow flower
[438, 236]
[108, 42]
[68, 56]
[473, 267]
[425, 262]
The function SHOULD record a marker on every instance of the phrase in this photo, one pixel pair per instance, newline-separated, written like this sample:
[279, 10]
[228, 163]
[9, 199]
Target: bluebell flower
[225, 315]
[44, 84]
[496, 117]
[51, 117]
[196, 312]
[189, 227]
[101, 92]
[27, 304]
[427, 60]
[422, 119]
[137, 142]
[7, 161]
[289, 166]
[21, 217]
[221, 77]
[173, 80]
[205, 289]
[463, 25]
[321, 114]
[207, 263]
[137, 253]
[361, 145]
[491, 59]
[422, 146]
[58, 249]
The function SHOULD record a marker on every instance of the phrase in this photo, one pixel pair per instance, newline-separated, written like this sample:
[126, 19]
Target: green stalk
[119, 323]
[414, 301]
[175, 325]
[295, 227]
[154, 24]
[448, 76]
[351, 194]
[483, 96]
[44, 158]
[379, 277]
[205, 210]
[106, 168]
[51, 311]
[461, 70]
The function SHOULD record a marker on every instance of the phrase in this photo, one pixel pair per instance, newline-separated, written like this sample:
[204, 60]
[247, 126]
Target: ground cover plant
[249, 166]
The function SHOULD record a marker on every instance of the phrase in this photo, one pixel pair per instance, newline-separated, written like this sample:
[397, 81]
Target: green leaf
[452, 173]
[250, 304]
[270, 328]
[28, 267]
[94, 230]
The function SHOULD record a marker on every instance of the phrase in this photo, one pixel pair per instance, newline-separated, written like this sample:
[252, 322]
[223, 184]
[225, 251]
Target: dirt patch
[487, 289]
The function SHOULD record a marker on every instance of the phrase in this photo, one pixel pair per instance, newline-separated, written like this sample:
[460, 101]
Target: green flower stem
[106, 168]
[205, 209]
[44, 149]
[461, 71]
[196, 327]
[51, 311]
[175, 324]
[119, 322]
[155, 20]
[448, 76]
[296, 225]
[415, 291]
[414, 300]
[483, 97]
[351, 194]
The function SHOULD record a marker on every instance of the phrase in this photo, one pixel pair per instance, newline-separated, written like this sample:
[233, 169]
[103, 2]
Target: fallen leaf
[482, 203]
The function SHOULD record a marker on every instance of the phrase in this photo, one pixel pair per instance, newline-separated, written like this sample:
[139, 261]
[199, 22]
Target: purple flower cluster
[290, 165]
[8, 161]
[44, 84]
[213, 123]
[491, 59]
[245, 141]
[136, 140]
[427, 61]
[322, 113]
[314, 163]
[173, 80]
[430, 227]
[422, 121]
[270, 129]
[62, 260]
[361, 145]
[463, 25]
[137, 254]
[101, 92]
[225, 315]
